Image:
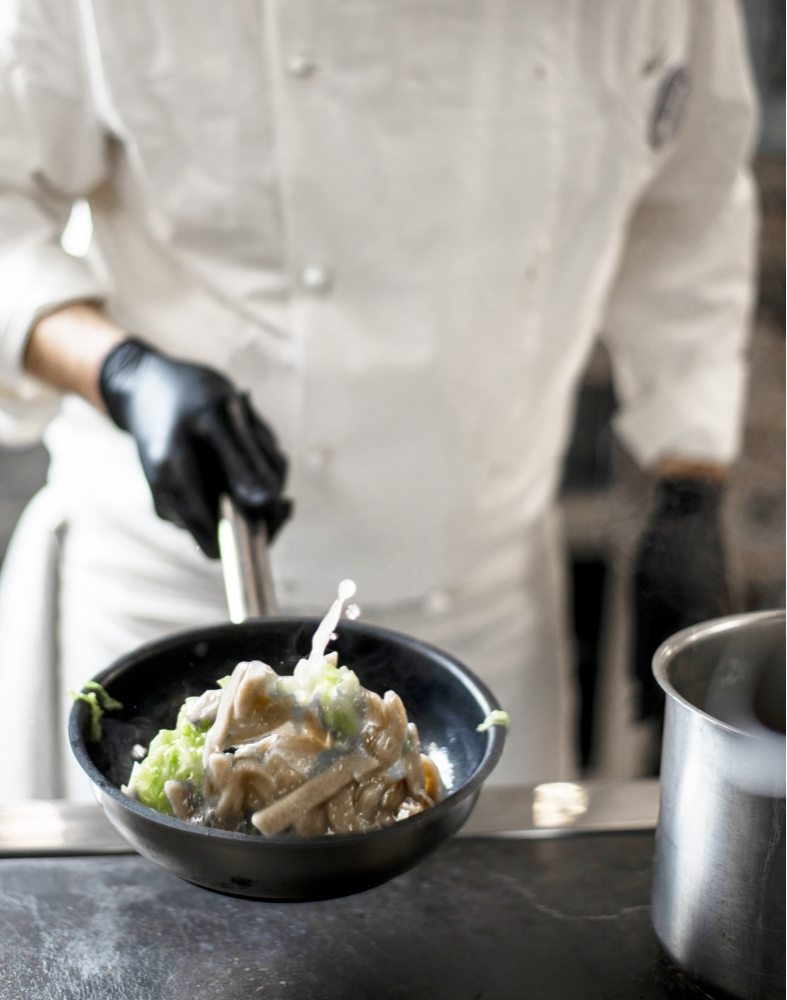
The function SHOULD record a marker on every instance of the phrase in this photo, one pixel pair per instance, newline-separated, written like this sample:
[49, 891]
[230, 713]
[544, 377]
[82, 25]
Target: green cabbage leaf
[173, 755]
[98, 701]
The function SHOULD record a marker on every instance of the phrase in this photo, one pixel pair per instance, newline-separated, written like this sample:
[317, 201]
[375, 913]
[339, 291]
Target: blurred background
[604, 497]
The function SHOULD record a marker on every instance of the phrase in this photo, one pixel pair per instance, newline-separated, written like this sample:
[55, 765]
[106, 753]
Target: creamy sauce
[325, 630]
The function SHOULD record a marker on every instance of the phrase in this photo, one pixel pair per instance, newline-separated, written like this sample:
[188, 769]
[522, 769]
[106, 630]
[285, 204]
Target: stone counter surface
[566, 918]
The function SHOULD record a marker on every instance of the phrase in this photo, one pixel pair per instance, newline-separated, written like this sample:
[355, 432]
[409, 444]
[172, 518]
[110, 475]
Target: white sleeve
[53, 152]
[678, 317]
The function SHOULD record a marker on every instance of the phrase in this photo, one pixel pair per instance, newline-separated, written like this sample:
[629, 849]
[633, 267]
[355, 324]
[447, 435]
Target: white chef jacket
[400, 226]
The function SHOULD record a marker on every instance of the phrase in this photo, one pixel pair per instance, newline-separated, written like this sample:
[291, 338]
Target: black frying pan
[442, 697]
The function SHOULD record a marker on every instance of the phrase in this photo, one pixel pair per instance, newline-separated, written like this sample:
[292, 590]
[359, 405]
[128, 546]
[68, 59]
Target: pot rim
[696, 633]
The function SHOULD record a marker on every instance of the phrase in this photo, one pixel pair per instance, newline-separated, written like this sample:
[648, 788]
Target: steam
[749, 696]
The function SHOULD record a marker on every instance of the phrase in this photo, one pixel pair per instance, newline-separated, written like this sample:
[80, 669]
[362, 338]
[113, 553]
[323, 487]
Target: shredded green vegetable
[174, 755]
[98, 701]
[496, 718]
[334, 690]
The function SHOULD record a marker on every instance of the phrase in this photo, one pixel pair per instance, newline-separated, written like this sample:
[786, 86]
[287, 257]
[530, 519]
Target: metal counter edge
[551, 809]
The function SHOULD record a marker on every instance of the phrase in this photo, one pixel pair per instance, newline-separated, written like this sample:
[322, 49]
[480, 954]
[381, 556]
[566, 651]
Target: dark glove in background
[679, 575]
[197, 437]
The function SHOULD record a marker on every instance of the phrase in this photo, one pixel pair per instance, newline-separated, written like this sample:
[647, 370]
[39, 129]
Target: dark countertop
[563, 918]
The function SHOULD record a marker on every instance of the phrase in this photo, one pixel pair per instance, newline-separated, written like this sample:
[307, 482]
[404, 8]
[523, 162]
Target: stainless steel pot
[719, 870]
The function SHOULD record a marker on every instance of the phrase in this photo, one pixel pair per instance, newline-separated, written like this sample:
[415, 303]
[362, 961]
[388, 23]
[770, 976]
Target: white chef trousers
[80, 588]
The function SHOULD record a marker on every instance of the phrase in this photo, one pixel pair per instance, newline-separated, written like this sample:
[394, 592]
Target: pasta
[310, 754]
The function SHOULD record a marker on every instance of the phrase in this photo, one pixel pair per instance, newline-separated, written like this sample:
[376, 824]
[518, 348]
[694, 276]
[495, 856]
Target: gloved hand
[679, 575]
[197, 437]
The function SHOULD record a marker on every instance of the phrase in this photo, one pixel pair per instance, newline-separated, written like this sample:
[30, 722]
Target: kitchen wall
[22, 471]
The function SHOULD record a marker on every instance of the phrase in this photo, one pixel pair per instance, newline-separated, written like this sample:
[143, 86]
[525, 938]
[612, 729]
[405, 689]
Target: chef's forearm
[67, 347]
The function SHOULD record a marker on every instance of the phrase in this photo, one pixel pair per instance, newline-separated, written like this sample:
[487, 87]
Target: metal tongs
[243, 547]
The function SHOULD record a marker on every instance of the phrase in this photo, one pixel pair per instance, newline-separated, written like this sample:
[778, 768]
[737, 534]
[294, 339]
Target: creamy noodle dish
[312, 753]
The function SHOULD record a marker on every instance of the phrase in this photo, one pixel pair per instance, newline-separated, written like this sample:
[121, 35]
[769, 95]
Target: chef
[355, 254]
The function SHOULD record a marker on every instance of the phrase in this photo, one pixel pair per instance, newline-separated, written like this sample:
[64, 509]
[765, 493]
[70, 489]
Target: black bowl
[444, 699]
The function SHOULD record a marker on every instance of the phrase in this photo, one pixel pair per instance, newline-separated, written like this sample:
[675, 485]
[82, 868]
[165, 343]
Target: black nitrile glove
[197, 437]
[679, 575]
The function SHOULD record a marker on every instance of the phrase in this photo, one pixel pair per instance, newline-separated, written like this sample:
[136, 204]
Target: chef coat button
[315, 279]
[317, 458]
[301, 66]
[437, 602]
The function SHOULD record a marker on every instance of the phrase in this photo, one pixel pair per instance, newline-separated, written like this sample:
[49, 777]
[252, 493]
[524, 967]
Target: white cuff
[39, 279]
[698, 417]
